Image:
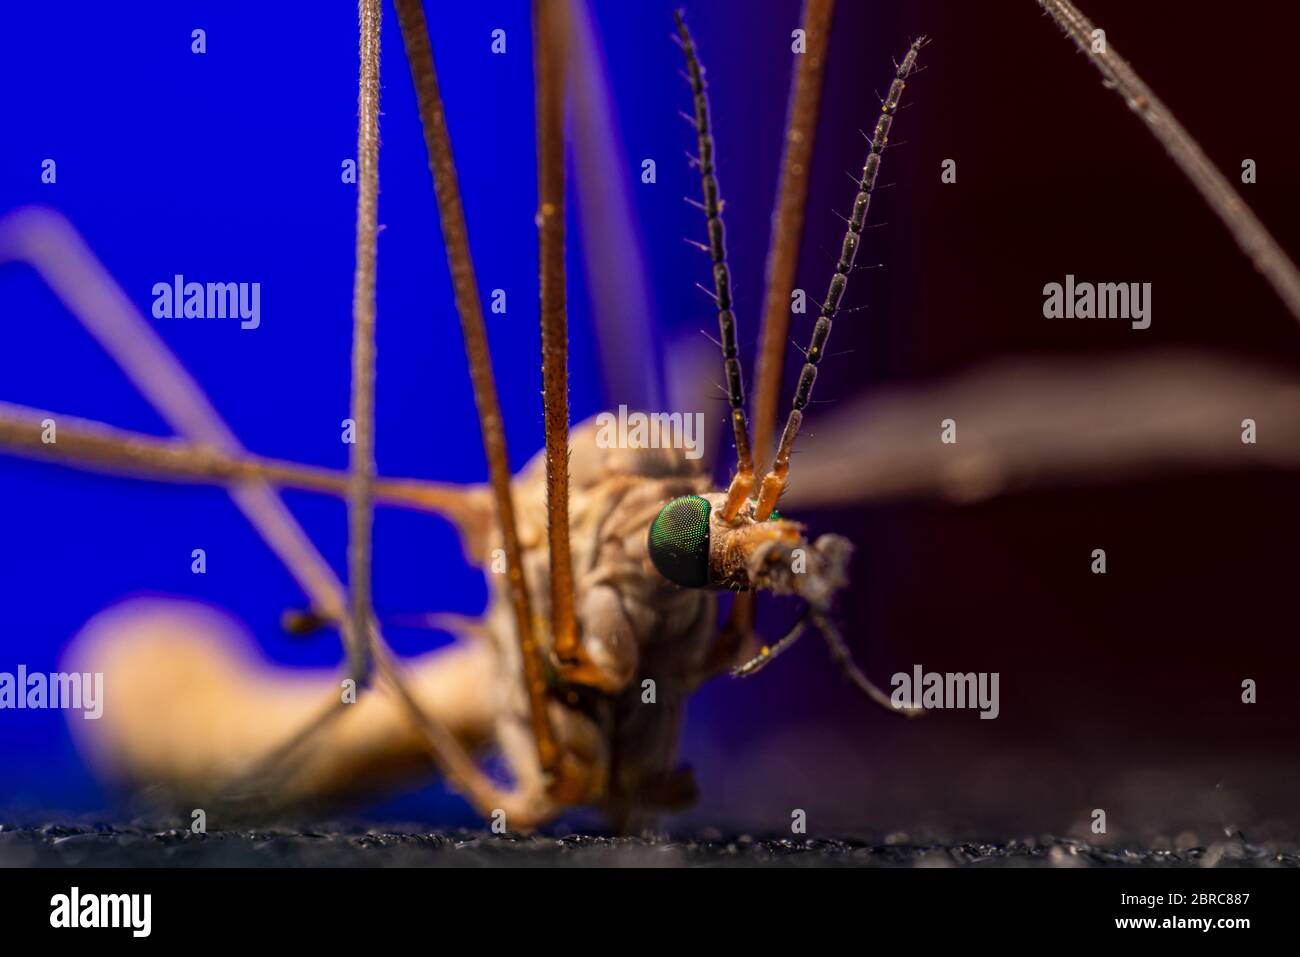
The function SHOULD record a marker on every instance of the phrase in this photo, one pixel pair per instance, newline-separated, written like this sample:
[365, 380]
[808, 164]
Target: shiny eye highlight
[679, 541]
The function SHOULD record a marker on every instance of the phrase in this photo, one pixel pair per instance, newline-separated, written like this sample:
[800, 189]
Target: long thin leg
[85, 443]
[550, 36]
[47, 242]
[1269, 259]
[743, 481]
[609, 230]
[415, 36]
[783, 246]
[774, 482]
[361, 457]
[787, 218]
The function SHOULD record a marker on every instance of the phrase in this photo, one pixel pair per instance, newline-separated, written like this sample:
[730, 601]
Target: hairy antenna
[743, 481]
[774, 482]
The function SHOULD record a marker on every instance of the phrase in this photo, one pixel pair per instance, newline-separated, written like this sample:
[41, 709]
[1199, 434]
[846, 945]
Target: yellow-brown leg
[415, 36]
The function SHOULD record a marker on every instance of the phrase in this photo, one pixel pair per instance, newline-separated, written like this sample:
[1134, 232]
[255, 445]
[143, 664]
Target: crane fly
[605, 560]
[610, 593]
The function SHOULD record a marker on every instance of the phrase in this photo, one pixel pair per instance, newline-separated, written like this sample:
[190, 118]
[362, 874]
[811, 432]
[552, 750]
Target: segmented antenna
[743, 481]
[774, 482]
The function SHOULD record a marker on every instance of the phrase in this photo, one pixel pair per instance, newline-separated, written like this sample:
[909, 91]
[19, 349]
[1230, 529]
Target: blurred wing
[50, 244]
[611, 242]
[1028, 423]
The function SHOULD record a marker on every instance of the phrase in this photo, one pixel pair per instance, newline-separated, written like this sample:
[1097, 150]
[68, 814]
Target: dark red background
[1119, 691]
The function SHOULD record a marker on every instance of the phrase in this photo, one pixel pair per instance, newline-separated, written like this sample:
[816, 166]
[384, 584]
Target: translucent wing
[1024, 423]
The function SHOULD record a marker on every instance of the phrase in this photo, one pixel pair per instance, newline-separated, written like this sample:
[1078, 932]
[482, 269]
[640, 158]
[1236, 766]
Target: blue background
[226, 166]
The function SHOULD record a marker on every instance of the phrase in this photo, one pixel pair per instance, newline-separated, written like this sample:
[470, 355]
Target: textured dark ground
[116, 846]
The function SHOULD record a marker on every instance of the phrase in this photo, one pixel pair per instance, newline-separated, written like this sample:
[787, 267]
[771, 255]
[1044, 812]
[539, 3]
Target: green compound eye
[679, 541]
